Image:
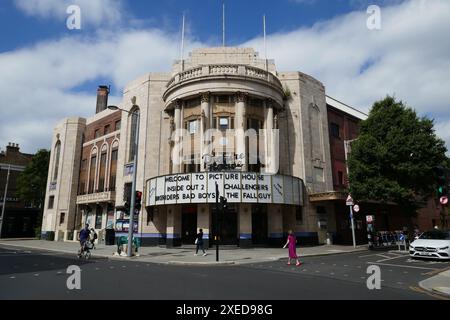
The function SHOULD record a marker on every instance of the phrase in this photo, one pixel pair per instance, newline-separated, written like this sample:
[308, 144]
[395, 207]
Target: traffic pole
[217, 223]
[353, 226]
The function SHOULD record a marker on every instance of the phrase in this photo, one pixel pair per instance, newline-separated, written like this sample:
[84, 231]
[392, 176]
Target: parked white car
[433, 244]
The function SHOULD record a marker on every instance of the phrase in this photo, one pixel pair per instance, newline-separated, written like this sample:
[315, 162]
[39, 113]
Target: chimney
[12, 148]
[102, 98]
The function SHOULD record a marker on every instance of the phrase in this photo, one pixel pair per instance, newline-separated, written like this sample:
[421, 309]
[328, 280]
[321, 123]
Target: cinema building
[224, 117]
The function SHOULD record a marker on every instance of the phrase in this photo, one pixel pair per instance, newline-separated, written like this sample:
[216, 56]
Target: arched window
[113, 168]
[134, 116]
[103, 163]
[56, 160]
[92, 171]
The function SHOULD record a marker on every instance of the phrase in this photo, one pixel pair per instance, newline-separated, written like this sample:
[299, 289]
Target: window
[51, 202]
[117, 125]
[193, 126]
[92, 173]
[102, 177]
[318, 174]
[214, 123]
[192, 103]
[56, 163]
[321, 210]
[62, 217]
[299, 215]
[82, 188]
[340, 178]
[97, 134]
[254, 124]
[224, 123]
[107, 129]
[222, 99]
[113, 170]
[335, 130]
[98, 218]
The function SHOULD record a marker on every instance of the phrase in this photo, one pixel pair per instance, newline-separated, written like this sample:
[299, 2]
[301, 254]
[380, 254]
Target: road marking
[12, 277]
[383, 256]
[359, 267]
[405, 272]
[391, 258]
[367, 255]
[97, 269]
[399, 265]
[36, 274]
[332, 273]
[317, 271]
[345, 265]
[363, 277]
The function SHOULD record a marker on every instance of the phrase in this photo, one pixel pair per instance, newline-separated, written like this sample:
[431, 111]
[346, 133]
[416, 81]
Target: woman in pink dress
[291, 241]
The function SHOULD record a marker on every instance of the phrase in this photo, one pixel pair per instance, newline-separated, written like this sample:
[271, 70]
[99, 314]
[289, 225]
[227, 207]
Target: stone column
[276, 236]
[204, 127]
[173, 226]
[270, 139]
[203, 222]
[245, 225]
[240, 127]
[176, 154]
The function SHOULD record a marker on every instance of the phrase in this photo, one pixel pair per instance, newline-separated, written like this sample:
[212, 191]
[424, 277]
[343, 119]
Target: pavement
[185, 255]
[439, 283]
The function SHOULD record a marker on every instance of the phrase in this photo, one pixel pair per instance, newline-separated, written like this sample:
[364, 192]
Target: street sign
[349, 201]
[356, 208]
[444, 200]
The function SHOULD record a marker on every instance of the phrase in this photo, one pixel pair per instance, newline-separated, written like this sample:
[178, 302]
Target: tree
[32, 183]
[393, 158]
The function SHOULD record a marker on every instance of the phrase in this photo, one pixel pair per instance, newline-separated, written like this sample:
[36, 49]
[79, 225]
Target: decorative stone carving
[241, 96]
[205, 97]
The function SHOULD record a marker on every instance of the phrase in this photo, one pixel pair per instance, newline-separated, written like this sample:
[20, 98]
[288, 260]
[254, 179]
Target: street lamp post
[347, 147]
[133, 186]
[2, 216]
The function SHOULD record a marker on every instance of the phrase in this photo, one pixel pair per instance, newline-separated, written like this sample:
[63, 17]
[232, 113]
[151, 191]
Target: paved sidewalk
[439, 283]
[185, 255]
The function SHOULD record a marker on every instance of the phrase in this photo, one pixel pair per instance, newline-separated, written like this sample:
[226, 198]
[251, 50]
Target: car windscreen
[436, 235]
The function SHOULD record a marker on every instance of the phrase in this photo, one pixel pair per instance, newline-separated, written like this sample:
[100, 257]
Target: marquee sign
[237, 187]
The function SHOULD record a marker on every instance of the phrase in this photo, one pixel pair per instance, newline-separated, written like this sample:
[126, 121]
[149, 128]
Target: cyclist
[83, 237]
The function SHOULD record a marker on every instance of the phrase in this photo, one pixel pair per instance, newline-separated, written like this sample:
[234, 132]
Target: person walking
[291, 243]
[92, 237]
[199, 243]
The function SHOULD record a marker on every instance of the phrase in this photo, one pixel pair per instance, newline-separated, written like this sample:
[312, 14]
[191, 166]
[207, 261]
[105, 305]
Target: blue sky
[122, 39]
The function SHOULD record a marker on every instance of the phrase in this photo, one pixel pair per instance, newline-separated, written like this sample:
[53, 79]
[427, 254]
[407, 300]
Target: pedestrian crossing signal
[138, 200]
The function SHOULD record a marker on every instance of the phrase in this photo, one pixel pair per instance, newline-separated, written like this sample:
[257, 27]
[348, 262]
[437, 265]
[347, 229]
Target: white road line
[332, 273]
[12, 277]
[400, 266]
[383, 256]
[367, 255]
[392, 258]
[36, 274]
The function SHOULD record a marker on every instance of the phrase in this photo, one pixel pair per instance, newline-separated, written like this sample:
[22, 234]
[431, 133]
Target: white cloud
[37, 83]
[408, 57]
[93, 12]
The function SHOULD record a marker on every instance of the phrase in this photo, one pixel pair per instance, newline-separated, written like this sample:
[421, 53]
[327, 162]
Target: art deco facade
[220, 105]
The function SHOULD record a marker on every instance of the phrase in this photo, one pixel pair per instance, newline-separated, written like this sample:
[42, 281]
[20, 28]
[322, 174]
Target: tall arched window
[56, 160]
[102, 175]
[134, 115]
[92, 171]
[113, 168]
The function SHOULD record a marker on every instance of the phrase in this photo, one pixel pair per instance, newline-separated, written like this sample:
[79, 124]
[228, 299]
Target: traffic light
[441, 181]
[223, 203]
[138, 200]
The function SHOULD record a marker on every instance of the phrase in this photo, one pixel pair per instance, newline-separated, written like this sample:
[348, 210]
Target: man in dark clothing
[83, 237]
[199, 243]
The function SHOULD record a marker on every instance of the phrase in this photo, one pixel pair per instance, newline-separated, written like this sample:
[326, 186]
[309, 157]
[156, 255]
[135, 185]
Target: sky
[49, 72]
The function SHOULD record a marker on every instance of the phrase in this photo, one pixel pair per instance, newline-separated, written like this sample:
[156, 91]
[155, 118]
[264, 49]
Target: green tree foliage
[32, 182]
[394, 156]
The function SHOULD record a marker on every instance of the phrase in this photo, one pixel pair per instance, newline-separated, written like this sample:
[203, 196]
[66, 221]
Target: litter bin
[110, 237]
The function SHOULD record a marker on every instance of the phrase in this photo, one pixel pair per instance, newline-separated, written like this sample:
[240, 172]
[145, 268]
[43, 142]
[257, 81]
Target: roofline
[346, 108]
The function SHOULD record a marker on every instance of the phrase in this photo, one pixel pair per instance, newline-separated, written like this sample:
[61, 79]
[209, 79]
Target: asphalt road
[33, 274]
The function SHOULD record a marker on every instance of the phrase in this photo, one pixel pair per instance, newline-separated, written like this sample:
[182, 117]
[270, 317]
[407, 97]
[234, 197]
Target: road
[34, 274]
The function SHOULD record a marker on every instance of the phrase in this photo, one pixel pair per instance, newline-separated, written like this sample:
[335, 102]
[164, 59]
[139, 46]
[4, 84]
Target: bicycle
[85, 252]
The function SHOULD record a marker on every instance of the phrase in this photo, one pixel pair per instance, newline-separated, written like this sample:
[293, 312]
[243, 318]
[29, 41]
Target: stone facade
[228, 91]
